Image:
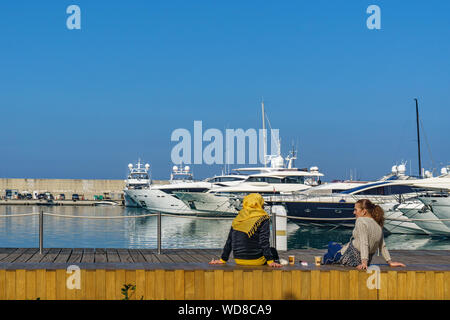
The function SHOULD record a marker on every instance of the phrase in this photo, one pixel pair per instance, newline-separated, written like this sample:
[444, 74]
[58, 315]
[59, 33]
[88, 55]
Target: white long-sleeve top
[367, 238]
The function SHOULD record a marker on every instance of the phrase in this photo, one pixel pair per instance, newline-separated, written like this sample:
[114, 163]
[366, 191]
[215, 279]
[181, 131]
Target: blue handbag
[333, 255]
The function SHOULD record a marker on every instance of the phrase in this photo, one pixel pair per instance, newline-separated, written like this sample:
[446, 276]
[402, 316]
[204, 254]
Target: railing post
[41, 230]
[274, 228]
[159, 232]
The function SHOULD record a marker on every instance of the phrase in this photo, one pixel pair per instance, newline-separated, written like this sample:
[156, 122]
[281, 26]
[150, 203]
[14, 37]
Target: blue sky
[84, 103]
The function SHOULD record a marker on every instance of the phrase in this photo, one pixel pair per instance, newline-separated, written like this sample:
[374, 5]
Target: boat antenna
[418, 137]
[264, 133]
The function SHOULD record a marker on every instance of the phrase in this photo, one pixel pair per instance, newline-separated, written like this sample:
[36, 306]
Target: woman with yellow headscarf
[249, 236]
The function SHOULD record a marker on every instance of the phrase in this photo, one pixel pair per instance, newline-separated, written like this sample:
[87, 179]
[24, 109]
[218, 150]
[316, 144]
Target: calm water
[62, 232]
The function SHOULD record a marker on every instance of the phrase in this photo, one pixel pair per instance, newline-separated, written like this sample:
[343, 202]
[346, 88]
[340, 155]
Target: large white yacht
[276, 179]
[138, 179]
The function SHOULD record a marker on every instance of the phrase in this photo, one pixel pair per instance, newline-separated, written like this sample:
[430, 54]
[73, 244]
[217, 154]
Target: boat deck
[192, 259]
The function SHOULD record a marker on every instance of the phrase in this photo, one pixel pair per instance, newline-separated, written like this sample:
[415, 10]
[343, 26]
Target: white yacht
[325, 209]
[423, 217]
[276, 179]
[162, 198]
[138, 179]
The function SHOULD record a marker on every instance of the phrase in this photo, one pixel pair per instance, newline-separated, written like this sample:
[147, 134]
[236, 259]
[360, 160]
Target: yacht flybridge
[138, 178]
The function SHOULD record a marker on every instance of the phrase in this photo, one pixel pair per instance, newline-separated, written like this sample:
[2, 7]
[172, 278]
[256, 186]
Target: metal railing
[41, 215]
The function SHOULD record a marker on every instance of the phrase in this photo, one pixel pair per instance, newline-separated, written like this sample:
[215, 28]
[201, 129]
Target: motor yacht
[138, 179]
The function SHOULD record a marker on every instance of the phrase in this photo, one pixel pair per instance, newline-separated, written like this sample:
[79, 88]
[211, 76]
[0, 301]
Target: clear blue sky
[84, 103]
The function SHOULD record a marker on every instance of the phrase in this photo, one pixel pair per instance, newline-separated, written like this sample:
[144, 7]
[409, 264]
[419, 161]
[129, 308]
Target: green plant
[125, 291]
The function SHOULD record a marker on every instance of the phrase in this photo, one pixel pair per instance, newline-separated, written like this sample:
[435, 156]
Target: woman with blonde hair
[249, 236]
[367, 238]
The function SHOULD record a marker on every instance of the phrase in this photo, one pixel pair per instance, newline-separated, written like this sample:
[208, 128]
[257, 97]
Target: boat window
[294, 179]
[264, 179]
[138, 176]
[374, 191]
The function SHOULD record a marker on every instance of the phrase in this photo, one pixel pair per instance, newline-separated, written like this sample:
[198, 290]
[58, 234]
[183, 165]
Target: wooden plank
[199, 285]
[238, 284]
[24, 257]
[63, 256]
[120, 283]
[88, 255]
[189, 282]
[277, 285]
[228, 285]
[439, 286]
[110, 289]
[4, 252]
[50, 255]
[209, 285]
[420, 286]
[315, 284]
[10, 284]
[392, 285]
[354, 284]
[112, 256]
[257, 286]
[150, 285]
[179, 285]
[325, 285]
[100, 255]
[40, 284]
[14, 255]
[267, 284]
[75, 256]
[334, 285]
[37, 257]
[2, 284]
[149, 256]
[21, 288]
[430, 285]
[248, 285]
[130, 278]
[169, 285]
[61, 284]
[401, 286]
[286, 288]
[410, 285]
[30, 276]
[90, 284]
[50, 285]
[160, 286]
[384, 284]
[306, 285]
[100, 284]
[447, 285]
[137, 256]
[140, 284]
[296, 284]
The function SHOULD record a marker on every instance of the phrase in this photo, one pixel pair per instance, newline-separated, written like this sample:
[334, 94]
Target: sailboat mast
[418, 137]
[264, 134]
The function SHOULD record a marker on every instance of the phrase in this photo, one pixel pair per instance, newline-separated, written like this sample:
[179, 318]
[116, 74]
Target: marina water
[177, 232]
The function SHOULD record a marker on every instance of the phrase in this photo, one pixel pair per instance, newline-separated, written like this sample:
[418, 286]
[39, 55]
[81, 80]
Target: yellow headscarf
[251, 216]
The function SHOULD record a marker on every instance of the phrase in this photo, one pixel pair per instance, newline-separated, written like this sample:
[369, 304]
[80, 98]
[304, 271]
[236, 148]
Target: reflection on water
[177, 232]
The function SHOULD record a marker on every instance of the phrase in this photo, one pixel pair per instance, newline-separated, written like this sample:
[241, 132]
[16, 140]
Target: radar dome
[401, 169]
[187, 168]
[314, 169]
[130, 165]
[444, 170]
[428, 174]
[147, 166]
[277, 162]
[394, 170]
[175, 168]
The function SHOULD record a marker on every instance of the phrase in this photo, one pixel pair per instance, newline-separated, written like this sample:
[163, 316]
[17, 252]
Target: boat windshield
[139, 176]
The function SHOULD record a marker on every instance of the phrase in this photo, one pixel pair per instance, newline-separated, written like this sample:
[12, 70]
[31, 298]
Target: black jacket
[243, 247]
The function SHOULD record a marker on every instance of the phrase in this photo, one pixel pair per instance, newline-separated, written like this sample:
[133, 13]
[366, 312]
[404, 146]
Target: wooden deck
[186, 275]
[30, 258]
